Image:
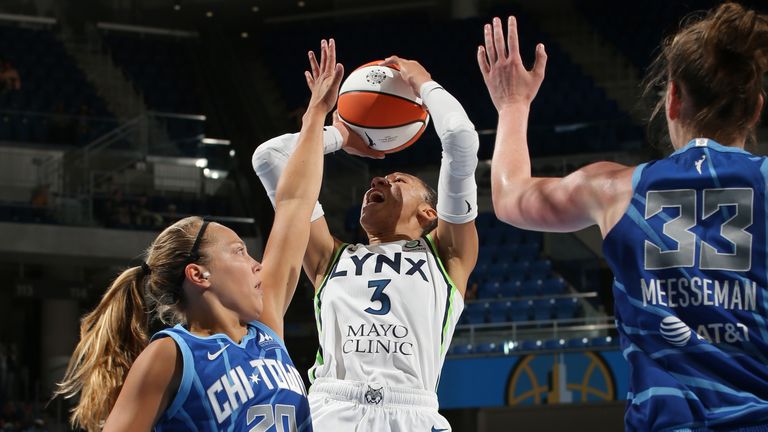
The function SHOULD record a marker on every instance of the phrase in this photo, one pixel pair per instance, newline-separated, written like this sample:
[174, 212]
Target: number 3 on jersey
[678, 229]
[379, 296]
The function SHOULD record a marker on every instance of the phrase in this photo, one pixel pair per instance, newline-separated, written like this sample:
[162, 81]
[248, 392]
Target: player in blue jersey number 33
[685, 236]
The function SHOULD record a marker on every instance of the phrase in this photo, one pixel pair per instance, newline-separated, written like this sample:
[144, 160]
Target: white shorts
[354, 406]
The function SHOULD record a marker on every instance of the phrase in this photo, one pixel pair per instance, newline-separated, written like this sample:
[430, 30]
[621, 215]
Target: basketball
[380, 106]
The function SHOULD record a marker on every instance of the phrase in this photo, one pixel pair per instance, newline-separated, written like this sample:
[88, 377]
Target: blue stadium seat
[553, 286]
[532, 237]
[529, 251]
[518, 270]
[498, 271]
[602, 341]
[566, 308]
[554, 344]
[461, 349]
[542, 309]
[485, 220]
[487, 253]
[531, 288]
[475, 312]
[580, 342]
[530, 345]
[520, 310]
[510, 288]
[499, 311]
[488, 290]
[540, 269]
[488, 348]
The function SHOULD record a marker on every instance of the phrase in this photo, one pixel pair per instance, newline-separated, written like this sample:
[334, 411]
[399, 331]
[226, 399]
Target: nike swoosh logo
[217, 353]
[438, 430]
[469, 207]
[370, 140]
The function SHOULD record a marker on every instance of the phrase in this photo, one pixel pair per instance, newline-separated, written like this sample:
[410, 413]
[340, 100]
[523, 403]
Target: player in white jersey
[386, 310]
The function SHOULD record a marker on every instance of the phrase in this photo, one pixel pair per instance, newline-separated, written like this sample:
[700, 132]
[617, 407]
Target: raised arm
[591, 195]
[297, 191]
[269, 163]
[456, 234]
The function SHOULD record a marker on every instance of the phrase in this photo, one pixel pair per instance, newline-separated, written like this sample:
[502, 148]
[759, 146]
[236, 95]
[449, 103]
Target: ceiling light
[209, 14]
[254, 8]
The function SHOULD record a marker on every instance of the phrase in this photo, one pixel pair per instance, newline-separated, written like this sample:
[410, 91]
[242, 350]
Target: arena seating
[56, 104]
[162, 69]
[513, 285]
[567, 97]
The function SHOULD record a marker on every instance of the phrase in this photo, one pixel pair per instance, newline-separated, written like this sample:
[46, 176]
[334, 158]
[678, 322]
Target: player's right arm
[595, 194]
[149, 388]
[269, 160]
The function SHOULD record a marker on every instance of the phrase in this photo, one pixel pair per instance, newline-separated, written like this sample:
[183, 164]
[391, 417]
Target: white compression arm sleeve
[270, 159]
[456, 190]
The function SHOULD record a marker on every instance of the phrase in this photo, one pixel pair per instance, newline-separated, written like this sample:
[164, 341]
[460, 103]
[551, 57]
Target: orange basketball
[378, 104]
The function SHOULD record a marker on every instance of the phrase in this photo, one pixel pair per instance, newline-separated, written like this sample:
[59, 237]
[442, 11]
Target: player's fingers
[338, 74]
[313, 66]
[482, 61]
[391, 60]
[308, 77]
[512, 38]
[489, 47]
[323, 55]
[498, 39]
[331, 54]
[540, 64]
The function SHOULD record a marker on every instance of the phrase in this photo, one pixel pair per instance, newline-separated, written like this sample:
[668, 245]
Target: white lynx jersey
[386, 314]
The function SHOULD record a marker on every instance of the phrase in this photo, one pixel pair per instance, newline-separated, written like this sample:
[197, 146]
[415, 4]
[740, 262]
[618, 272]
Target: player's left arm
[456, 234]
[297, 191]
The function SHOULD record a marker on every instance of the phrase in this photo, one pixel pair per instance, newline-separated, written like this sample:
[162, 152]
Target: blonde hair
[117, 330]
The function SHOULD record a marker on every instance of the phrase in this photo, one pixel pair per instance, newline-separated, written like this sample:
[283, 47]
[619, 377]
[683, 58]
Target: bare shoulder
[603, 178]
[606, 169]
[158, 360]
[612, 184]
[148, 389]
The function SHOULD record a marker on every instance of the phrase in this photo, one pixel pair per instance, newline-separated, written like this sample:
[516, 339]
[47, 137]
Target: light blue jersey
[226, 386]
[689, 260]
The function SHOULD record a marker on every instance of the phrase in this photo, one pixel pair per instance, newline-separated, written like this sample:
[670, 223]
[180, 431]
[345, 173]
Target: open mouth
[257, 287]
[374, 197]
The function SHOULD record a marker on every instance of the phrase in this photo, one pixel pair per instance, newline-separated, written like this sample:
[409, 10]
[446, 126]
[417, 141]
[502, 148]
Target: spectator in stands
[142, 216]
[41, 196]
[685, 236]
[9, 77]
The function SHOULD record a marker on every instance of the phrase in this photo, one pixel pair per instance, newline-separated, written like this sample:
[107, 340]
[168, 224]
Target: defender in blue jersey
[685, 236]
[224, 366]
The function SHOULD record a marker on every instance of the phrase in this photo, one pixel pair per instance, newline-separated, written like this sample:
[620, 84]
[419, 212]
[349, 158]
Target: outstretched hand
[411, 71]
[505, 76]
[324, 78]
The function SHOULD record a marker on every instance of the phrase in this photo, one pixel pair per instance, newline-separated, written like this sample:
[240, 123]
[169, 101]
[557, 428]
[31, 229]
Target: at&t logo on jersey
[675, 331]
